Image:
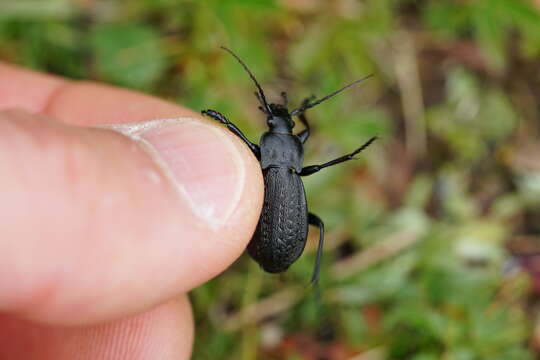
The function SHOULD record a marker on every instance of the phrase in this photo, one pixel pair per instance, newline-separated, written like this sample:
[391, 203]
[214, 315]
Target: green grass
[418, 231]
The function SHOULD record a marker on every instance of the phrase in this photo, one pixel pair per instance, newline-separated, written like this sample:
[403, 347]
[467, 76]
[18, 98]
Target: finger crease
[54, 95]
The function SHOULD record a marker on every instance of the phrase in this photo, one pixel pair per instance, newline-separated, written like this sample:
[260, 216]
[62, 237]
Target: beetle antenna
[261, 93]
[308, 105]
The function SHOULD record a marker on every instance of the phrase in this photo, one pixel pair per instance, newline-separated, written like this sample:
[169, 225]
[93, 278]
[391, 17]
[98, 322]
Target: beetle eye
[292, 124]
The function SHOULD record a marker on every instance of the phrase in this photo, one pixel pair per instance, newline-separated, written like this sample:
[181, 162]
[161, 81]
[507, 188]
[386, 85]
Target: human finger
[97, 225]
[165, 332]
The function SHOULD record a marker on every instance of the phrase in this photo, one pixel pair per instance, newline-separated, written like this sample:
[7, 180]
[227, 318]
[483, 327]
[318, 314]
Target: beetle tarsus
[308, 105]
[316, 221]
[308, 170]
[234, 129]
[216, 116]
[304, 134]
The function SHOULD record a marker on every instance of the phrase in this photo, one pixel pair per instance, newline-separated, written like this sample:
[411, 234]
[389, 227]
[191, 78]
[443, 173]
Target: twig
[271, 306]
[288, 297]
[410, 87]
[375, 254]
[377, 353]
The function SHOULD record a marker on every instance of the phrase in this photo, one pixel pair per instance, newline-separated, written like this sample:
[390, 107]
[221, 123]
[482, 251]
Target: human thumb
[101, 222]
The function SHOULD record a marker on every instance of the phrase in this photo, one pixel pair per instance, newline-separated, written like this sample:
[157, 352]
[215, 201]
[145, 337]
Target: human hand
[99, 240]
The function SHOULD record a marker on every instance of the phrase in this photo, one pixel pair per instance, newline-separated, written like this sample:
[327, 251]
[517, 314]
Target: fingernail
[204, 163]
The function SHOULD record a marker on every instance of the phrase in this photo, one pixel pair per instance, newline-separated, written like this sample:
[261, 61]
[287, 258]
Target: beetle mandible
[282, 230]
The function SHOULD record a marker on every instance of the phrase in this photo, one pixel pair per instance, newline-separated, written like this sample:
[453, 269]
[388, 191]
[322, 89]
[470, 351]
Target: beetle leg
[308, 170]
[222, 119]
[304, 134]
[316, 221]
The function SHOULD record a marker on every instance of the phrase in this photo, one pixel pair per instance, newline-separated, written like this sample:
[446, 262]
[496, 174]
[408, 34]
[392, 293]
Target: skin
[98, 245]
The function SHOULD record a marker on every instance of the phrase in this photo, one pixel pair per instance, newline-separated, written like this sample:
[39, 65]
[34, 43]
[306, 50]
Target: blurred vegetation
[432, 237]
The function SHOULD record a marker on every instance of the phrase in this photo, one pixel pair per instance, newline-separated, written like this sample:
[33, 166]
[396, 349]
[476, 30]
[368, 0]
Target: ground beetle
[282, 230]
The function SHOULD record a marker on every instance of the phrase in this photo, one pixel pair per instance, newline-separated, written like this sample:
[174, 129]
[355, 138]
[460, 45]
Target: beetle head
[279, 118]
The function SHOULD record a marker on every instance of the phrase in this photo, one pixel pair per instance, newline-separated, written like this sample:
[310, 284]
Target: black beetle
[282, 230]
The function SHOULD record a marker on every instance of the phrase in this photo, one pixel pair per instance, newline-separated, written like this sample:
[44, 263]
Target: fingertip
[221, 181]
